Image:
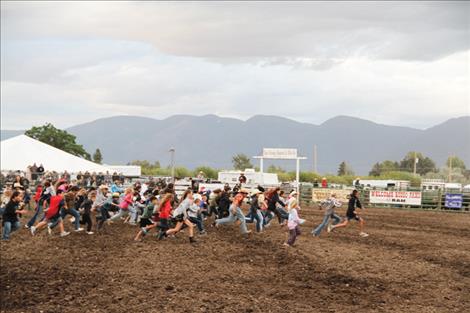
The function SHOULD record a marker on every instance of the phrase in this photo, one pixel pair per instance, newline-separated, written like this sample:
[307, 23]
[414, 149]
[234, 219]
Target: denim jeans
[36, 215]
[131, 211]
[74, 213]
[326, 218]
[104, 216]
[232, 218]
[198, 222]
[255, 214]
[283, 213]
[269, 215]
[8, 228]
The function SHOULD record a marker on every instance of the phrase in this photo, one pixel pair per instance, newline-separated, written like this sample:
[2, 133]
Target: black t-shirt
[87, 204]
[79, 201]
[10, 214]
[353, 203]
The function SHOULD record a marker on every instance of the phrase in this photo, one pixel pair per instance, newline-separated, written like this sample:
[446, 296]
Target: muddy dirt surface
[413, 261]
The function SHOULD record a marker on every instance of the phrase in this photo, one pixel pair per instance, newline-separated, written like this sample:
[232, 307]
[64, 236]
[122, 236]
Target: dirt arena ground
[412, 262]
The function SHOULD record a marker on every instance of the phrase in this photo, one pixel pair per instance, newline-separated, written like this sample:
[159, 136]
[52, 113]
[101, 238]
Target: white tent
[19, 152]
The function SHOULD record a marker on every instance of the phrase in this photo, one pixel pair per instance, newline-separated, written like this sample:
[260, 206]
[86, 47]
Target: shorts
[54, 221]
[145, 222]
[353, 217]
[179, 218]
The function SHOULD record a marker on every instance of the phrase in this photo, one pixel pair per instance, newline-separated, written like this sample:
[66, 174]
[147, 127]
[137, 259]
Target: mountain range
[212, 140]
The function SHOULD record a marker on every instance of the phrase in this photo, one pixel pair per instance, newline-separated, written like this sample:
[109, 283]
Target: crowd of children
[157, 207]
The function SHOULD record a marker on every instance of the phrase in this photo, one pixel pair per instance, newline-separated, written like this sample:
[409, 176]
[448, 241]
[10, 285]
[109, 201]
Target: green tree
[209, 172]
[389, 166]
[97, 157]
[344, 169]
[424, 165]
[57, 138]
[275, 169]
[376, 170]
[455, 162]
[241, 162]
[384, 167]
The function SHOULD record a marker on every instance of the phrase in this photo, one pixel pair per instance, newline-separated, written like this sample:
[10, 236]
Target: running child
[329, 205]
[86, 209]
[352, 214]
[146, 222]
[293, 223]
[180, 214]
[13, 208]
[52, 216]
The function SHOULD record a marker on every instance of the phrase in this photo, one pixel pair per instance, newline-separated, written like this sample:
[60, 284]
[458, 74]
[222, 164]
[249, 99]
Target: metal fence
[430, 199]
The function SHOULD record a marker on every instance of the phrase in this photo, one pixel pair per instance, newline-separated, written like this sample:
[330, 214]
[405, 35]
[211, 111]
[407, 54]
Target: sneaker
[79, 230]
[49, 231]
[363, 234]
[72, 219]
[26, 226]
[90, 232]
[32, 229]
[161, 235]
[202, 233]
[65, 233]
[329, 228]
[132, 223]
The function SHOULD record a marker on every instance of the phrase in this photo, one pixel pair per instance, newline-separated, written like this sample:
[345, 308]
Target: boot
[192, 240]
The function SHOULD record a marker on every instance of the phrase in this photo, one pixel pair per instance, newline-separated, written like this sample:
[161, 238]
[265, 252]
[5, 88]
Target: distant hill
[211, 140]
[5, 134]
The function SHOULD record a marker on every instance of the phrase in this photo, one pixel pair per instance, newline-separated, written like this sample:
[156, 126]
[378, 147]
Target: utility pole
[172, 164]
[315, 158]
[450, 168]
[415, 161]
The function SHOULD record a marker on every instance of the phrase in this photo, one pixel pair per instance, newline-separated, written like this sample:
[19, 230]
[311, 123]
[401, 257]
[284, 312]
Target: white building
[252, 177]
[383, 183]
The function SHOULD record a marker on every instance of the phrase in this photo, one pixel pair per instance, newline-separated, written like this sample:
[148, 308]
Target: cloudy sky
[400, 63]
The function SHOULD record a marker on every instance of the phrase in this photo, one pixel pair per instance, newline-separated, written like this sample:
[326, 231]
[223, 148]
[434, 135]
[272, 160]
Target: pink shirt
[126, 201]
[294, 219]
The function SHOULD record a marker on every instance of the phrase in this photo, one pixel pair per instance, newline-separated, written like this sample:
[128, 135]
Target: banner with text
[454, 200]
[395, 197]
[320, 194]
[275, 153]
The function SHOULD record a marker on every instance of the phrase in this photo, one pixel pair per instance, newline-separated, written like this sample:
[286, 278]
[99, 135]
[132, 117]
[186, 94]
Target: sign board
[211, 187]
[275, 153]
[320, 194]
[454, 200]
[395, 197]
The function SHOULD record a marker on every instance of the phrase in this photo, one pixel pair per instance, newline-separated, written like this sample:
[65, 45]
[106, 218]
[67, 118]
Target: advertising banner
[320, 194]
[454, 200]
[395, 197]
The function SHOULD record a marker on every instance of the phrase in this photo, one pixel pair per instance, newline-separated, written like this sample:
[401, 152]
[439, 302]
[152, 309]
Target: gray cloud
[403, 63]
[252, 31]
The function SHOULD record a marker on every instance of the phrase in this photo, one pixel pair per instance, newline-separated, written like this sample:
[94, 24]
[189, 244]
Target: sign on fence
[395, 197]
[320, 194]
[454, 200]
[274, 153]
